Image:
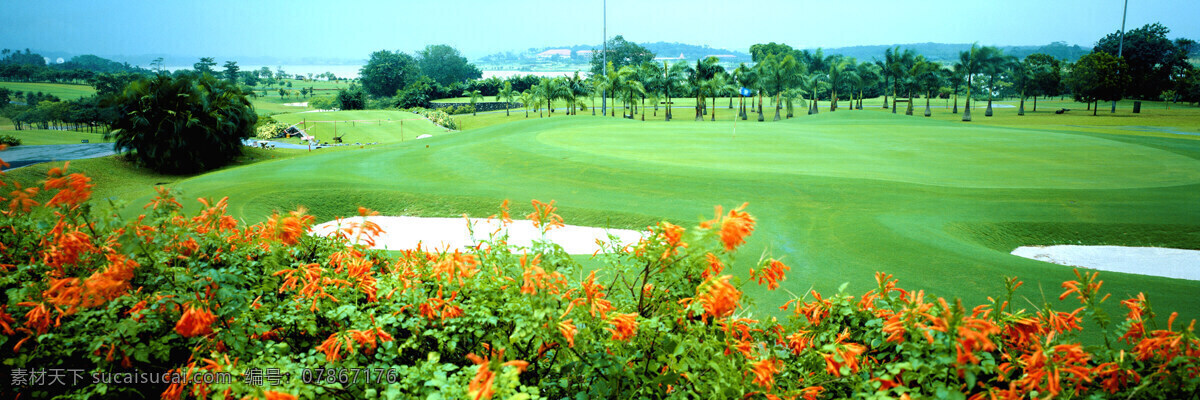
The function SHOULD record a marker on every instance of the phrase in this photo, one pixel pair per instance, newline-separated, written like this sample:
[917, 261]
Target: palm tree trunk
[778, 103]
[833, 100]
[885, 83]
[967, 111]
[991, 89]
[714, 110]
[1021, 110]
[894, 97]
[928, 112]
[1035, 103]
[760, 102]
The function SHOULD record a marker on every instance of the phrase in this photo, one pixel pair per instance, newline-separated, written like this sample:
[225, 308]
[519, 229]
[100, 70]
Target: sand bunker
[440, 233]
[303, 104]
[1156, 261]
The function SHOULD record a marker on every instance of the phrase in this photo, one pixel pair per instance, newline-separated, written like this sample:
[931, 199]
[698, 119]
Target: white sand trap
[1156, 261]
[304, 104]
[401, 233]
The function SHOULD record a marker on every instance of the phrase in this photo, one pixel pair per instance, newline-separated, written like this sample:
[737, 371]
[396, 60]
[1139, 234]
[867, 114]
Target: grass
[938, 203]
[366, 126]
[62, 90]
[33, 137]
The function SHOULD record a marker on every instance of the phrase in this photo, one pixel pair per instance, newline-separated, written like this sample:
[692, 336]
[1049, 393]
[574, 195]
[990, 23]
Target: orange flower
[594, 296]
[195, 322]
[273, 395]
[764, 372]
[73, 190]
[22, 198]
[718, 297]
[6, 320]
[37, 318]
[332, 347]
[480, 386]
[456, 266]
[772, 274]
[798, 341]
[735, 227]
[568, 330]
[843, 355]
[624, 326]
[535, 277]
[288, 230]
[543, 216]
[164, 198]
[714, 266]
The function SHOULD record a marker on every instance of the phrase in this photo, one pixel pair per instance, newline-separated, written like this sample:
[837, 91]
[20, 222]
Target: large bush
[352, 98]
[663, 318]
[182, 124]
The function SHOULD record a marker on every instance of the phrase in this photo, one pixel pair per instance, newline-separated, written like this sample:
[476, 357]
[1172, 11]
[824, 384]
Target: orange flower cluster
[543, 216]
[764, 372]
[843, 355]
[718, 297]
[624, 326]
[313, 283]
[439, 309]
[772, 273]
[535, 278]
[734, 227]
[714, 266]
[456, 266]
[195, 322]
[73, 190]
[481, 386]
[593, 295]
[366, 340]
[288, 230]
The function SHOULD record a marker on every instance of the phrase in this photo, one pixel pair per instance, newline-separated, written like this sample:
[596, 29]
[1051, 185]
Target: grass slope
[62, 90]
[33, 137]
[365, 126]
[838, 195]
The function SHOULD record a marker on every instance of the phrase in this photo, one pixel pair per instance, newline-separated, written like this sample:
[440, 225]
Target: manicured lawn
[62, 90]
[369, 126]
[938, 203]
[33, 137]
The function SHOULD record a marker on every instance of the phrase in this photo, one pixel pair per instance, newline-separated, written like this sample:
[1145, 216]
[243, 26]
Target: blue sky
[353, 29]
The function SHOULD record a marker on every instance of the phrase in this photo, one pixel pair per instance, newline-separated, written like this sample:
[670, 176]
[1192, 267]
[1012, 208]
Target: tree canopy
[620, 53]
[1151, 58]
[445, 65]
[1099, 77]
[387, 71]
[182, 124]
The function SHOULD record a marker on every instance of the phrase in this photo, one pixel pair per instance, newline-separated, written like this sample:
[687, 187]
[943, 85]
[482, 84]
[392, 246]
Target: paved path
[19, 156]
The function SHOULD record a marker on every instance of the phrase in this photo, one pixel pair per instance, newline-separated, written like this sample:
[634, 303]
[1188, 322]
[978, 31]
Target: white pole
[1121, 44]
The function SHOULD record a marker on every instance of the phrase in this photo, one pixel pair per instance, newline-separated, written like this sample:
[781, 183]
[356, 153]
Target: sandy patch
[402, 233]
[304, 104]
[1155, 261]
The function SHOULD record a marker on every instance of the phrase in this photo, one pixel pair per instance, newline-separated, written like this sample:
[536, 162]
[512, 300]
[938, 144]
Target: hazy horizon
[303, 30]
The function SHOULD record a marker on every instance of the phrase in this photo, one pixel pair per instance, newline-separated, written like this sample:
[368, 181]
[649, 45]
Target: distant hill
[949, 52]
[660, 49]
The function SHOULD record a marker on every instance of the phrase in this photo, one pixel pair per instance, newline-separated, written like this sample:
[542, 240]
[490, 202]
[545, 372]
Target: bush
[353, 98]
[323, 102]
[461, 109]
[270, 130]
[436, 116]
[10, 140]
[663, 319]
[182, 124]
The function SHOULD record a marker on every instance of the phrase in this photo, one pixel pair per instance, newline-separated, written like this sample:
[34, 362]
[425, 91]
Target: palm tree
[993, 67]
[814, 83]
[526, 100]
[956, 77]
[630, 89]
[715, 87]
[868, 76]
[781, 75]
[747, 77]
[790, 95]
[898, 67]
[611, 83]
[762, 71]
[508, 94]
[473, 96]
[835, 72]
[672, 77]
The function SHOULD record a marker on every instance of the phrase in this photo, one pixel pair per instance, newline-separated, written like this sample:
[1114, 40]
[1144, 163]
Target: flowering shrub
[664, 318]
[436, 116]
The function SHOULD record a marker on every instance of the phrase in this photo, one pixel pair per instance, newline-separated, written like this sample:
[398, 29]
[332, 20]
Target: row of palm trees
[782, 79]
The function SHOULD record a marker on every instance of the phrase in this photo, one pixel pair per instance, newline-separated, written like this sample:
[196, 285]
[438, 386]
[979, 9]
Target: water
[351, 71]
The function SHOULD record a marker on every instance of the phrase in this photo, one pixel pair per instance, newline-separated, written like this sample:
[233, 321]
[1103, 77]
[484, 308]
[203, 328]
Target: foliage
[620, 53]
[352, 98]
[664, 319]
[10, 140]
[270, 130]
[323, 102]
[445, 65]
[437, 116]
[386, 72]
[182, 124]
[1151, 58]
[1098, 77]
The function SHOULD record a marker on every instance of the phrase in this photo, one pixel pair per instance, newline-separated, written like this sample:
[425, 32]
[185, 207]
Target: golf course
[838, 195]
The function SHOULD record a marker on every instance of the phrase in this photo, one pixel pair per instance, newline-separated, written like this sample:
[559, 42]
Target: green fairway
[838, 195]
[31, 137]
[368, 126]
[62, 90]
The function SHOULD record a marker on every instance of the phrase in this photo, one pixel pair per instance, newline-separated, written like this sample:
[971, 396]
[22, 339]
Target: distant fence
[480, 106]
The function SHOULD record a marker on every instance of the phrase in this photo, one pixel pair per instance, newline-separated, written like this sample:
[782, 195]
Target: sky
[353, 29]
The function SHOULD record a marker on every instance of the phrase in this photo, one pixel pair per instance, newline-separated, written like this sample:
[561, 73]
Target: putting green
[838, 195]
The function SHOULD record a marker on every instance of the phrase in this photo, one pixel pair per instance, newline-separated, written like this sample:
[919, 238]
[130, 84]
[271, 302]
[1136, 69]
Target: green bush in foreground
[288, 315]
[10, 140]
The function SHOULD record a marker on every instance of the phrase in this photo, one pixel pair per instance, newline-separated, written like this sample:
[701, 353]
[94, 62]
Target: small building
[562, 53]
[681, 57]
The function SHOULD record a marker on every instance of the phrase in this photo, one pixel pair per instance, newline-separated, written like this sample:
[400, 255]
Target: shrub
[10, 140]
[323, 102]
[182, 124]
[270, 130]
[665, 318]
[353, 98]
[437, 116]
